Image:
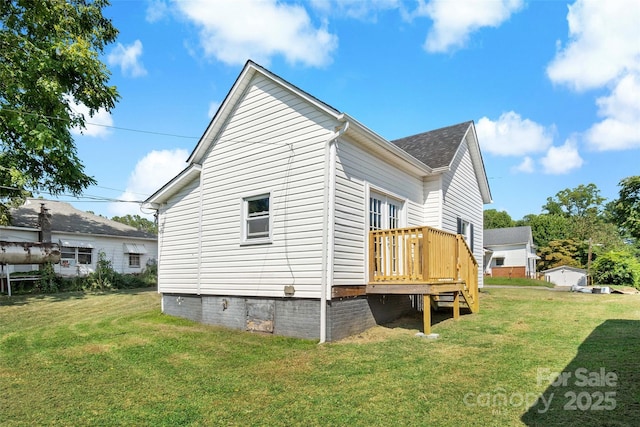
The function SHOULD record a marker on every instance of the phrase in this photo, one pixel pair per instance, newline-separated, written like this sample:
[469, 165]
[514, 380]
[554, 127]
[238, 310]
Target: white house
[81, 236]
[510, 252]
[267, 228]
[566, 276]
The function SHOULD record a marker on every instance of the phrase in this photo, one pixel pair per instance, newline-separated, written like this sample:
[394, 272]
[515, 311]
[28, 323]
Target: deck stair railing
[424, 256]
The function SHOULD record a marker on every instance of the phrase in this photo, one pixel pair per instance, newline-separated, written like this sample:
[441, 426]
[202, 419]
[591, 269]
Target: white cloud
[604, 44]
[620, 128]
[97, 126]
[358, 9]
[150, 173]
[562, 160]
[156, 10]
[527, 166]
[235, 31]
[511, 135]
[453, 21]
[213, 108]
[128, 59]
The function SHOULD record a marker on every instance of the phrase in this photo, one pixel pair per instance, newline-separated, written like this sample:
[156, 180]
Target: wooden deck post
[456, 305]
[426, 312]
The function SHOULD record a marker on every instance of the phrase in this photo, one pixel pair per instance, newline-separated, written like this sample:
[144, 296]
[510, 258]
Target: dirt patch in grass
[407, 326]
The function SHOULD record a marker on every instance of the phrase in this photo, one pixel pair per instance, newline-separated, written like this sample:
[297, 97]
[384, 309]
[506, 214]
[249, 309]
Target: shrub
[617, 268]
[104, 278]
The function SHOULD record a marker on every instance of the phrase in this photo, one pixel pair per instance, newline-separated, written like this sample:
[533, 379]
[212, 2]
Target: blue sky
[552, 86]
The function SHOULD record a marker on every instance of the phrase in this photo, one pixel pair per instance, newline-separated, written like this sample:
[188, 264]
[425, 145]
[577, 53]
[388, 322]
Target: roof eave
[169, 189]
[386, 148]
[478, 164]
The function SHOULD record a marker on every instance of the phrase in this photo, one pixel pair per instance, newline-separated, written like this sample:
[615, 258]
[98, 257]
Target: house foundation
[292, 317]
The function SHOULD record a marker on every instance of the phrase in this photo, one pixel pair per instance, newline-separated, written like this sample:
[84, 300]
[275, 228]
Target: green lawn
[516, 281]
[113, 359]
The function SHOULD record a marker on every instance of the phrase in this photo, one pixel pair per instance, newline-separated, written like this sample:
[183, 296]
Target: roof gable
[566, 267]
[438, 148]
[421, 154]
[435, 148]
[227, 107]
[67, 219]
[507, 236]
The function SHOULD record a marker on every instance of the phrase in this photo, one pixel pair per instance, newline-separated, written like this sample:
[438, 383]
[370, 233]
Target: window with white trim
[465, 228]
[75, 255]
[256, 212]
[384, 212]
[134, 260]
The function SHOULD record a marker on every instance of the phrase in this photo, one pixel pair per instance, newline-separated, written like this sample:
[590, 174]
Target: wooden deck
[423, 261]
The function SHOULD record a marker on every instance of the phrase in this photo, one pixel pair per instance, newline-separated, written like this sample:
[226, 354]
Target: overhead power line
[173, 135]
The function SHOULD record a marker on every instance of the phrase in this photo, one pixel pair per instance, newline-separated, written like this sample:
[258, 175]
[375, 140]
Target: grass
[113, 359]
[516, 281]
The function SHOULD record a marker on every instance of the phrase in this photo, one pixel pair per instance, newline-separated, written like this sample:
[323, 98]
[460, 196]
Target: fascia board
[173, 186]
[386, 147]
[478, 163]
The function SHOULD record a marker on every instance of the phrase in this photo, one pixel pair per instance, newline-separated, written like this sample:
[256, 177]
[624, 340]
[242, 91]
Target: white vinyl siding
[462, 199]
[274, 143]
[357, 170]
[111, 246]
[433, 202]
[178, 241]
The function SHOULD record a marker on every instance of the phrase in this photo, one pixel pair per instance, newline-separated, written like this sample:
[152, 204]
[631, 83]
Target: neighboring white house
[566, 276]
[81, 237]
[510, 252]
[267, 227]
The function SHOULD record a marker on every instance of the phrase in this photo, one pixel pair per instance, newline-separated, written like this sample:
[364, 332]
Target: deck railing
[421, 255]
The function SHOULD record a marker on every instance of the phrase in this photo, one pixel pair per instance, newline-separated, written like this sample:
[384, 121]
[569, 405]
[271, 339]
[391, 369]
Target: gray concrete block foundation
[292, 317]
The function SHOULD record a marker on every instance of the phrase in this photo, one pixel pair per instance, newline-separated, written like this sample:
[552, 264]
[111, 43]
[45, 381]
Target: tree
[557, 253]
[617, 268]
[546, 227]
[626, 209]
[582, 201]
[49, 62]
[138, 222]
[497, 219]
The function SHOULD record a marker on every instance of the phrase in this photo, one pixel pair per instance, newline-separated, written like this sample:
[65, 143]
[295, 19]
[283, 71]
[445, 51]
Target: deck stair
[424, 261]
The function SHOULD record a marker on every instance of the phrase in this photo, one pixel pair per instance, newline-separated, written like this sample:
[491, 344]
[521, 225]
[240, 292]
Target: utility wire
[173, 135]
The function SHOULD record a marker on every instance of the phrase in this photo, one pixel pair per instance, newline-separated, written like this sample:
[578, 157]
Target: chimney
[44, 223]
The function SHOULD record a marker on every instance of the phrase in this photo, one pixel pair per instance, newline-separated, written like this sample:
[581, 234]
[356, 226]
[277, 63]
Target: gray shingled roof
[437, 147]
[67, 219]
[507, 236]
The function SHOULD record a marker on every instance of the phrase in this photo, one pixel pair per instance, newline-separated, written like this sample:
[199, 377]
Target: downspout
[328, 229]
[200, 202]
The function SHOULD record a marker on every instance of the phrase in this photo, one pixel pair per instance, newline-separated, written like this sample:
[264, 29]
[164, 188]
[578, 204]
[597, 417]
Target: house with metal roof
[293, 218]
[81, 237]
[510, 252]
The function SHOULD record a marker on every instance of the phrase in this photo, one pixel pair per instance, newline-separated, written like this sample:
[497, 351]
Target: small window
[465, 228]
[84, 255]
[68, 253]
[499, 262]
[134, 260]
[257, 218]
[72, 255]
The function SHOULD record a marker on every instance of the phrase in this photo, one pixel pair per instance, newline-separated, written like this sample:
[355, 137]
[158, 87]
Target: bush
[617, 268]
[48, 283]
[103, 279]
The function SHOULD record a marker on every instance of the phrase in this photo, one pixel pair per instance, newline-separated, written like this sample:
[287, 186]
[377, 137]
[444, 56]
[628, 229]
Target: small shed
[566, 276]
